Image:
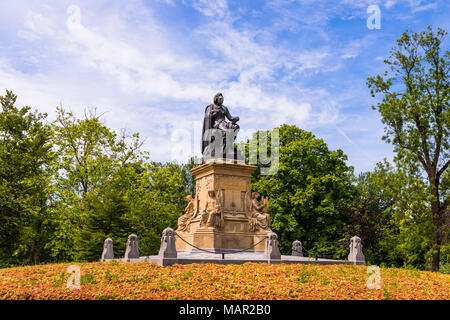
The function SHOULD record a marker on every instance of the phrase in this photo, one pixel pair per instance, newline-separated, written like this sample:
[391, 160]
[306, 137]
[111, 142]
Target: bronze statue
[215, 122]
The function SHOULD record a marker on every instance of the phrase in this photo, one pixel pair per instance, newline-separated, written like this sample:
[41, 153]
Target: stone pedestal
[272, 252]
[356, 255]
[108, 250]
[167, 249]
[297, 249]
[232, 181]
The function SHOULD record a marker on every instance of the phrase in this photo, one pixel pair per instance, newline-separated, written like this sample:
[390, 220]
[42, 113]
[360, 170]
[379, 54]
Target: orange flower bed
[255, 281]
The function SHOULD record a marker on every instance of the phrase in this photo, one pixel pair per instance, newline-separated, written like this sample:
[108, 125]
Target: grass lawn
[256, 281]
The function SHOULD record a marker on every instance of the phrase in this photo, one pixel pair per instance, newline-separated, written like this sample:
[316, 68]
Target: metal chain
[321, 254]
[310, 254]
[143, 252]
[247, 248]
[115, 253]
[193, 245]
[221, 252]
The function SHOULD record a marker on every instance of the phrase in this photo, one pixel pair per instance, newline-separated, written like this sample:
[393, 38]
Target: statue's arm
[189, 207]
[229, 116]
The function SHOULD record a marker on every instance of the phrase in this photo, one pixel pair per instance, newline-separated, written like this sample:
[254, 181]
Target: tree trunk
[437, 221]
[435, 256]
[35, 252]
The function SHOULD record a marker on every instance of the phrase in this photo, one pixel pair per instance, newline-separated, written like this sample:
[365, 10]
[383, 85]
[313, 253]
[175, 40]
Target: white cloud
[152, 78]
[210, 8]
[389, 3]
[416, 6]
[109, 70]
[36, 26]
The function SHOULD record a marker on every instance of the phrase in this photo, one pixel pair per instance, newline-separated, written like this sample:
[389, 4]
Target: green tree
[187, 176]
[108, 187]
[25, 155]
[107, 215]
[371, 215]
[391, 214]
[95, 169]
[415, 111]
[157, 203]
[308, 193]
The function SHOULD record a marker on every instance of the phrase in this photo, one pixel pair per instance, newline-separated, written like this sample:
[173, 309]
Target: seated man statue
[215, 126]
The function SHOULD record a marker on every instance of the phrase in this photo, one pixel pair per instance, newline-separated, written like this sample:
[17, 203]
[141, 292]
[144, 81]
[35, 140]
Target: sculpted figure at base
[212, 215]
[189, 214]
[258, 218]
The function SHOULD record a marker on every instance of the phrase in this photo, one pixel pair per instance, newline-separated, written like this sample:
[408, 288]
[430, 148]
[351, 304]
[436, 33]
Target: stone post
[356, 255]
[132, 250]
[297, 249]
[272, 252]
[108, 251]
[167, 253]
[167, 249]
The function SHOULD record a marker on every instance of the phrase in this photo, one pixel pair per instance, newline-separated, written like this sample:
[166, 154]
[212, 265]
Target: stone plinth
[231, 182]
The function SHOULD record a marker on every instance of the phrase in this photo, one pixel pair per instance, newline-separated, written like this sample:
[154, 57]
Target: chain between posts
[316, 255]
[145, 253]
[116, 254]
[223, 253]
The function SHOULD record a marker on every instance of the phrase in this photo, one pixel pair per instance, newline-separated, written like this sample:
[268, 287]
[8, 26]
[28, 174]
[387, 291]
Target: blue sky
[153, 66]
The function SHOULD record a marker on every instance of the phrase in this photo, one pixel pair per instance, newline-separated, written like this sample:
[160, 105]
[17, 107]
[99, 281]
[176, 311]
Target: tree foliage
[107, 187]
[415, 111]
[308, 193]
[390, 212]
[25, 156]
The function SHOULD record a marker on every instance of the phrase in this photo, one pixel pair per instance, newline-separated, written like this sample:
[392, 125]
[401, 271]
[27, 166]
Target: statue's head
[189, 198]
[211, 193]
[255, 195]
[218, 99]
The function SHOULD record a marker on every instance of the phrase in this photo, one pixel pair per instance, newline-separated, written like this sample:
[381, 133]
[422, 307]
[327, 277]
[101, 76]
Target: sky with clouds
[154, 65]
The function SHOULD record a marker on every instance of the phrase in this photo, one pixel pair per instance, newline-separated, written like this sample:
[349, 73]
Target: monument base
[231, 182]
[217, 241]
